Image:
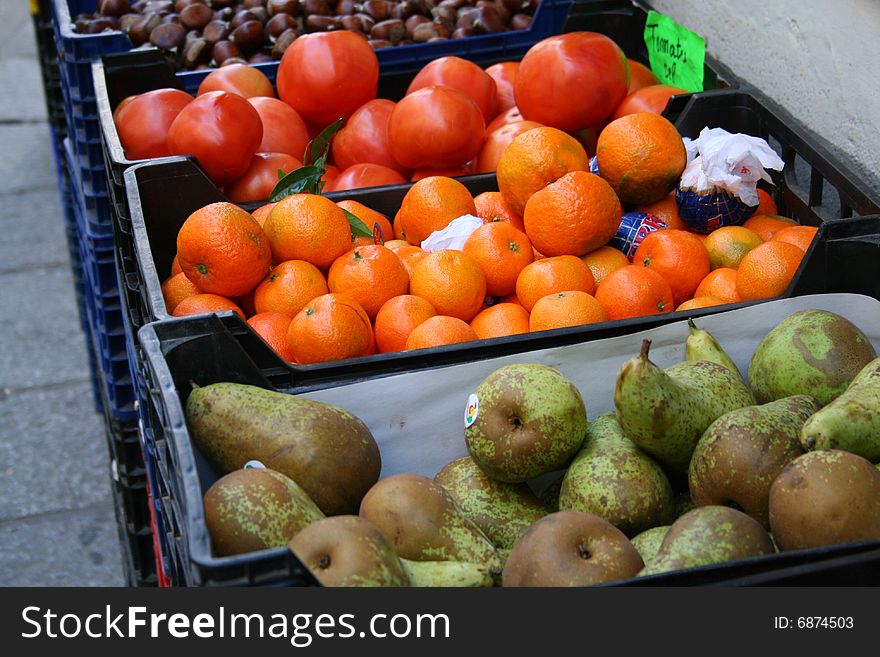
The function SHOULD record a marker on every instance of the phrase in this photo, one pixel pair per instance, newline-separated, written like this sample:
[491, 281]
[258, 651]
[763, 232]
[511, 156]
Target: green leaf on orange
[358, 227]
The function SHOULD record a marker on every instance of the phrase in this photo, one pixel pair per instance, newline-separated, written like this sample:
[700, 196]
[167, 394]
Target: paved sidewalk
[57, 524]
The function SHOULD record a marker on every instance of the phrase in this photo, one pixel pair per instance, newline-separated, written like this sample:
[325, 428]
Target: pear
[501, 510]
[348, 551]
[852, 421]
[571, 548]
[447, 574]
[701, 345]
[325, 449]
[708, 535]
[423, 522]
[523, 421]
[825, 498]
[743, 451]
[811, 352]
[615, 480]
[255, 509]
[666, 412]
[649, 541]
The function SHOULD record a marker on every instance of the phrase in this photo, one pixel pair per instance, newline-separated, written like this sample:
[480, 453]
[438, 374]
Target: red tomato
[571, 81]
[328, 75]
[504, 74]
[463, 170]
[142, 122]
[640, 76]
[364, 175]
[498, 141]
[364, 138]
[222, 130]
[647, 99]
[261, 177]
[240, 79]
[467, 77]
[122, 103]
[512, 115]
[284, 131]
[331, 173]
[436, 127]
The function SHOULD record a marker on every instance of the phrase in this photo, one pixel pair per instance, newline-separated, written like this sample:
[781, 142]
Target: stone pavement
[57, 524]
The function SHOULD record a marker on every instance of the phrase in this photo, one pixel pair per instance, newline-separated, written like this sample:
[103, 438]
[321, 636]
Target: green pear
[701, 345]
[666, 412]
[649, 541]
[423, 522]
[325, 449]
[523, 421]
[503, 511]
[852, 421]
[615, 480]
[811, 352]
[255, 509]
[708, 535]
[743, 451]
[348, 551]
[447, 574]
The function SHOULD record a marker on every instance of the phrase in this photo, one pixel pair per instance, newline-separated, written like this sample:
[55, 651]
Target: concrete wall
[819, 59]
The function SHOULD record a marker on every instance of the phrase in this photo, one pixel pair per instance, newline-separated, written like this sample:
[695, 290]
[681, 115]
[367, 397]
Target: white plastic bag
[454, 235]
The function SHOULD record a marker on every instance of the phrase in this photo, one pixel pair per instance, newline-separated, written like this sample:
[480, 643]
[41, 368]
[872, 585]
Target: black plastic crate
[49, 69]
[210, 349]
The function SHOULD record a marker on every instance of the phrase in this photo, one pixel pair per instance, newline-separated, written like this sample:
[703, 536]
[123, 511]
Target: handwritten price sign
[676, 54]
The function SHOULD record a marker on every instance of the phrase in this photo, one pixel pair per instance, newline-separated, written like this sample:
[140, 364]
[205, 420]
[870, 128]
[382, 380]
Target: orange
[572, 216]
[552, 275]
[603, 261]
[176, 289]
[766, 204]
[502, 252]
[409, 255]
[289, 287]
[370, 275]
[308, 227]
[642, 156]
[678, 256]
[729, 244]
[569, 308]
[440, 330]
[491, 206]
[430, 205]
[767, 225]
[719, 283]
[634, 291]
[175, 265]
[272, 327]
[534, 159]
[397, 227]
[701, 302]
[800, 236]
[262, 213]
[509, 298]
[767, 270]
[370, 218]
[330, 327]
[666, 209]
[397, 318]
[198, 304]
[500, 320]
[223, 250]
[361, 240]
[451, 281]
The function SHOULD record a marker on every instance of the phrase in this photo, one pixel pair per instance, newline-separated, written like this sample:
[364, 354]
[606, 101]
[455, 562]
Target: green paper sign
[676, 54]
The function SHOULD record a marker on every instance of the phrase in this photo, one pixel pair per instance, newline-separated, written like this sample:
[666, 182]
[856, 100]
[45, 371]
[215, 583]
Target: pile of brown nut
[199, 34]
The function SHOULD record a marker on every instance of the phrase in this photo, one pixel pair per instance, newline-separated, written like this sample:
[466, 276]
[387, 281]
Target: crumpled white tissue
[454, 235]
[721, 161]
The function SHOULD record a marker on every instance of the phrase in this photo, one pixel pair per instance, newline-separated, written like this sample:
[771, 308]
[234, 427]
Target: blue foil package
[634, 227]
[703, 213]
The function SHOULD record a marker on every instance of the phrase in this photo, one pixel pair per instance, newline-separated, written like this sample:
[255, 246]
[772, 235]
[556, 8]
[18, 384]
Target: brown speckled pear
[256, 509]
[743, 451]
[348, 551]
[701, 345]
[325, 449]
[615, 480]
[825, 498]
[423, 523]
[666, 411]
[649, 541]
[503, 511]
